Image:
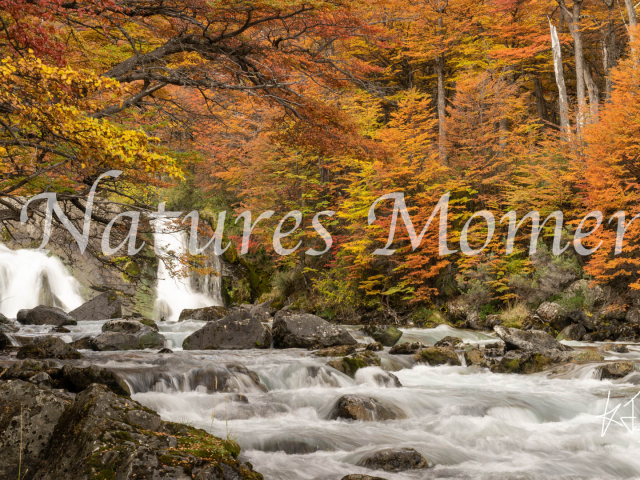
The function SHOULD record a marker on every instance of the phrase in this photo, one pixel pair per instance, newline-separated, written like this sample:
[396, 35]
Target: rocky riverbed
[329, 402]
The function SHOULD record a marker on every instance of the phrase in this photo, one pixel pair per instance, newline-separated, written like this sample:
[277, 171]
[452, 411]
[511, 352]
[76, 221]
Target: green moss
[126, 436]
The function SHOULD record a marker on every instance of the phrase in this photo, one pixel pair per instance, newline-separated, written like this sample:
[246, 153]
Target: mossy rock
[437, 356]
[349, 365]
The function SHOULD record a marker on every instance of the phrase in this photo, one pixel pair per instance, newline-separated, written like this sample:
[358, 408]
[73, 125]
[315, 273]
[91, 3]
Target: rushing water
[177, 292]
[29, 278]
[467, 422]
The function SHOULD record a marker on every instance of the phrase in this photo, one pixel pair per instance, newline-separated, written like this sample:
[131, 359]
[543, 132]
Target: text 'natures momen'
[440, 211]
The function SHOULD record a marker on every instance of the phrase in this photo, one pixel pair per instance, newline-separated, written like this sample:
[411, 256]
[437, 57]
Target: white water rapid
[176, 293]
[29, 278]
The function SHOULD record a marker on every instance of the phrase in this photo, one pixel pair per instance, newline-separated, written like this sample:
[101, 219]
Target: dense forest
[326, 105]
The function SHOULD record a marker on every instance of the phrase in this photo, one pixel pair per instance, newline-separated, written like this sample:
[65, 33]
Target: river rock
[407, 348]
[358, 476]
[43, 315]
[83, 343]
[105, 306]
[113, 341]
[48, 347]
[350, 364]
[394, 460]
[615, 348]
[531, 341]
[553, 314]
[339, 351]
[448, 342]
[226, 378]
[517, 361]
[375, 347]
[615, 370]
[572, 332]
[387, 335]
[303, 330]
[437, 356]
[238, 331]
[4, 341]
[104, 435]
[28, 417]
[359, 407]
[262, 311]
[206, 314]
[7, 326]
[130, 325]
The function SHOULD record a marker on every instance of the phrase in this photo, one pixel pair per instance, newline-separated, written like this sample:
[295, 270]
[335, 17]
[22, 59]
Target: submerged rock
[349, 365]
[448, 342]
[105, 306]
[206, 314]
[238, 331]
[394, 460]
[375, 347]
[437, 356]
[339, 351]
[358, 476]
[359, 407]
[517, 361]
[28, 417]
[530, 341]
[43, 315]
[615, 370]
[407, 348]
[303, 330]
[48, 347]
[387, 335]
[615, 348]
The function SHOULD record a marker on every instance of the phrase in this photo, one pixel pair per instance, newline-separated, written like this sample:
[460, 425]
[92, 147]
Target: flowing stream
[467, 422]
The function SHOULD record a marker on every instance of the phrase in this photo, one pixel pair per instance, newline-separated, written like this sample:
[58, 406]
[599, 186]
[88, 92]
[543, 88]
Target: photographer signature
[609, 415]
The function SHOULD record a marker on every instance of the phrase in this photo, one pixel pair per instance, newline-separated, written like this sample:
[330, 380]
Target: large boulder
[48, 347]
[359, 407]
[113, 341]
[350, 364]
[437, 356]
[103, 435]
[394, 460]
[28, 417]
[67, 377]
[262, 311]
[43, 315]
[238, 331]
[517, 361]
[206, 314]
[387, 335]
[530, 341]
[7, 326]
[128, 334]
[105, 306]
[553, 314]
[303, 330]
[572, 332]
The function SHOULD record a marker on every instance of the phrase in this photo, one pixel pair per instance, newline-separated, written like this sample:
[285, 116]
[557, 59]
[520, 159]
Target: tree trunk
[610, 52]
[573, 22]
[594, 95]
[541, 104]
[563, 101]
[633, 18]
[441, 100]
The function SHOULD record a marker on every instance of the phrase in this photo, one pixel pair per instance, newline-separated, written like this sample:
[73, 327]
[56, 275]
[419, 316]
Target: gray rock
[437, 356]
[553, 314]
[615, 370]
[530, 341]
[130, 325]
[48, 347]
[28, 417]
[206, 314]
[491, 321]
[350, 364]
[103, 432]
[358, 476]
[303, 330]
[262, 312]
[7, 326]
[238, 331]
[394, 460]
[112, 341]
[407, 348]
[43, 315]
[359, 407]
[448, 342]
[615, 348]
[572, 332]
[105, 306]
[633, 316]
[387, 335]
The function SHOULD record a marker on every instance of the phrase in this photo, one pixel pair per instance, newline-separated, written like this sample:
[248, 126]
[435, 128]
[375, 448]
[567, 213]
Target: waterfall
[177, 293]
[29, 278]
